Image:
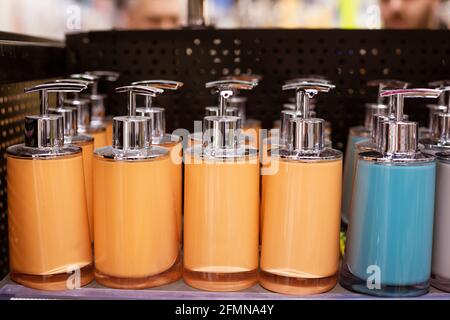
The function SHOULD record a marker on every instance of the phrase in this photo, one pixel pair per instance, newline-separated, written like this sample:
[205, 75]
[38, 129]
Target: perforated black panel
[348, 58]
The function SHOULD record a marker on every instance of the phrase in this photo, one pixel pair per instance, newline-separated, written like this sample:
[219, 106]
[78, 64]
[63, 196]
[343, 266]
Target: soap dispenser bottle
[73, 137]
[301, 206]
[161, 138]
[439, 145]
[136, 236]
[49, 245]
[221, 217]
[85, 105]
[390, 229]
[363, 133]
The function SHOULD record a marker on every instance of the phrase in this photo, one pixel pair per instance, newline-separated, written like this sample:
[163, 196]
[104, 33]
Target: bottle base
[171, 275]
[222, 282]
[297, 286]
[440, 283]
[355, 284]
[54, 282]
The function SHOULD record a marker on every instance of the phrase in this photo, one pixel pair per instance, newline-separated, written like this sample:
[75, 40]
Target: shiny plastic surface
[301, 208]
[441, 245]
[356, 135]
[391, 229]
[48, 222]
[221, 223]
[136, 231]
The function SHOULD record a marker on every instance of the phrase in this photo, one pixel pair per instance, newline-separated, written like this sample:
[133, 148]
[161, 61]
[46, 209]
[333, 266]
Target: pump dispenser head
[306, 134]
[157, 114]
[376, 112]
[397, 136]
[222, 131]
[441, 121]
[238, 101]
[47, 130]
[133, 132]
[69, 109]
[97, 100]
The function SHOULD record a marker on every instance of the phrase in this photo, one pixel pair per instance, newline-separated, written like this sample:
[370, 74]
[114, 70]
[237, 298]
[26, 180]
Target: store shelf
[179, 291]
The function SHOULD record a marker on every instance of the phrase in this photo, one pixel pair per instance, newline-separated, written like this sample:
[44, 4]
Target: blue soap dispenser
[363, 133]
[390, 228]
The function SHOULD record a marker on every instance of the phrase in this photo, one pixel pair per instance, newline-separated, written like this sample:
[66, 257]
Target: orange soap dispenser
[301, 206]
[136, 236]
[49, 243]
[221, 217]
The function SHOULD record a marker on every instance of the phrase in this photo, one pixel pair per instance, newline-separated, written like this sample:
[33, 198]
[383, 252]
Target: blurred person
[151, 14]
[411, 14]
[55, 18]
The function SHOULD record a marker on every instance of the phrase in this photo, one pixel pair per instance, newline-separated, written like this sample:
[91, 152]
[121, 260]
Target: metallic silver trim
[22, 151]
[145, 154]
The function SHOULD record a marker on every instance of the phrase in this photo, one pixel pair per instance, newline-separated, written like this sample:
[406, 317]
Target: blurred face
[408, 14]
[153, 14]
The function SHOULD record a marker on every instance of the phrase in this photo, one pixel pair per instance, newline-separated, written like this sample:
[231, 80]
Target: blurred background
[54, 18]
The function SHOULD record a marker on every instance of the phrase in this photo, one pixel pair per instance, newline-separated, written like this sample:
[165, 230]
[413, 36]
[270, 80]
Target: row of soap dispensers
[127, 198]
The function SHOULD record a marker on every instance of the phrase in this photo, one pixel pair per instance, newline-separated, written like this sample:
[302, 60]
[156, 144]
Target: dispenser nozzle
[160, 84]
[227, 88]
[305, 91]
[47, 130]
[244, 77]
[399, 136]
[387, 83]
[54, 87]
[398, 96]
[309, 78]
[133, 91]
[61, 95]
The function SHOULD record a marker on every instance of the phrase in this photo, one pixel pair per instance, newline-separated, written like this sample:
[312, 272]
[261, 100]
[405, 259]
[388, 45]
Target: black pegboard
[348, 57]
[24, 58]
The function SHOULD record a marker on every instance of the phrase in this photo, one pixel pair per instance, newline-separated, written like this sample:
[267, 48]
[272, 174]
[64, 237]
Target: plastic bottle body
[49, 242]
[176, 153]
[221, 223]
[440, 274]
[356, 135]
[390, 236]
[136, 232]
[301, 209]
[87, 148]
